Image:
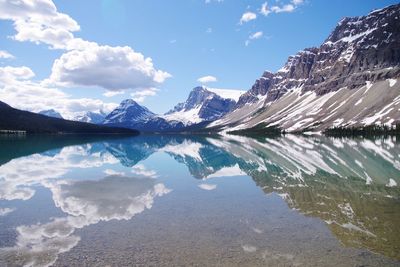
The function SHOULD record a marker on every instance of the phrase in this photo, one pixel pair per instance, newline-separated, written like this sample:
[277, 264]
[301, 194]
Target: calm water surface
[205, 201]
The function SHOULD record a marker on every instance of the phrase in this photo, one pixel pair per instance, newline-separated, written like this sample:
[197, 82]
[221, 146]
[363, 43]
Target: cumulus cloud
[39, 21]
[140, 96]
[207, 79]
[9, 74]
[19, 91]
[6, 55]
[84, 63]
[111, 68]
[247, 16]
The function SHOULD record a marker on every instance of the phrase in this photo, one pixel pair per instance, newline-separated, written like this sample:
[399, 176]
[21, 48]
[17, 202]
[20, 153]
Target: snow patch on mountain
[227, 93]
[203, 104]
[188, 117]
[51, 113]
[91, 117]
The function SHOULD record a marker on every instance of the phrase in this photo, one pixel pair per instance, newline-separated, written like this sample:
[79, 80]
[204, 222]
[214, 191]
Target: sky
[76, 56]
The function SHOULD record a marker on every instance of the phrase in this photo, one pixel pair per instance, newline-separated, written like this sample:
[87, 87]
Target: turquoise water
[199, 200]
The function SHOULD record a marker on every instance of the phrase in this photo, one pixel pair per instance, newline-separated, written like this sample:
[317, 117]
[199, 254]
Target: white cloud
[285, 8]
[140, 96]
[209, 30]
[85, 63]
[264, 9]
[6, 55]
[207, 79]
[113, 93]
[19, 91]
[254, 36]
[39, 21]
[9, 74]
[112, 68]
[247, 16]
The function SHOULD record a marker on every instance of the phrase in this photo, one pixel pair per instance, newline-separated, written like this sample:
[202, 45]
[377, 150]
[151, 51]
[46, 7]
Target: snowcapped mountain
[351, 80]
[128, 112]
[92, 117]
[202, 105]
[51, 113]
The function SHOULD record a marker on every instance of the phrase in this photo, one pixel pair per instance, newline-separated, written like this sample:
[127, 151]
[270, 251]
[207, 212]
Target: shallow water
[190, 200]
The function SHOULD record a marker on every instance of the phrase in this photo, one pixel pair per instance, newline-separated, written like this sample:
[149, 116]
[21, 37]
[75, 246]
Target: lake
[199, 200]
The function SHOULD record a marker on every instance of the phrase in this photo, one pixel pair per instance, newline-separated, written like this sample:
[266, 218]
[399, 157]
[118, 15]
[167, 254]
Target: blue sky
[186, 40]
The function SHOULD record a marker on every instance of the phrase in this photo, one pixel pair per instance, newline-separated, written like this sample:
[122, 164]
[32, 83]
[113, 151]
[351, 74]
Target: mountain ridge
[361, 54]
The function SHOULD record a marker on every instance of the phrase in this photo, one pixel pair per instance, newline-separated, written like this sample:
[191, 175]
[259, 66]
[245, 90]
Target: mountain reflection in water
[350, 184]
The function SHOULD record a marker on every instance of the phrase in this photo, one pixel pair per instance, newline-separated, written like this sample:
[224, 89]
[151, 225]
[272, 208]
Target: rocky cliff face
[201, 105]
[360, 52]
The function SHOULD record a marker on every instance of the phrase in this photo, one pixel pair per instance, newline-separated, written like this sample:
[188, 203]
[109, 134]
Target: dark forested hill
[15, 119]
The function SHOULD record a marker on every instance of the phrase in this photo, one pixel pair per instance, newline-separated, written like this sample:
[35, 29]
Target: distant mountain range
[18, 120]
[203, 105]
[350, 81]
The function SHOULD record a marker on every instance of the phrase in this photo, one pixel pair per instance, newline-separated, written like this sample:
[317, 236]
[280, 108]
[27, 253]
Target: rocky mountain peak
[202, 104]
[128, 102]
[197, 97]
[92, 117]
[51, 113]
[359, 49]
[128, 110]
